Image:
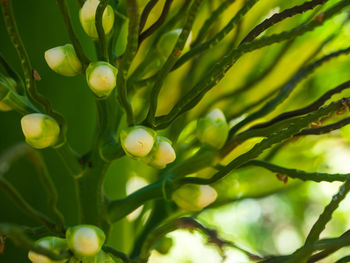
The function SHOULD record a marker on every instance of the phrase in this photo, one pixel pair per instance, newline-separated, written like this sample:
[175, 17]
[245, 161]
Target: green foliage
[174, 112]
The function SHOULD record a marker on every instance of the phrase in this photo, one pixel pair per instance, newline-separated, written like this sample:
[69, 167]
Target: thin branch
[326, 252]
[274, 19]
[128, 56]
[72, 36]
[49, 186]
[314, 234]
[100, 31]
[300, 174]
[145, 13]
[6, 160]
[149, 31]
[176, 52]
[122, 256]
[325, 129]
[311, 107]
[218, 37]
[211, 20]
[190, 224]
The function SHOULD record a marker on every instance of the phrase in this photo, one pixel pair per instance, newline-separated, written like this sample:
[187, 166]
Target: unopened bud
[192, 197]
[137, 141]
[63, 60]
[85, 240]
[213, 129]
[55, 244]
[87, 18]
[163, 153]
[167, 42]
[40, 130]
[101, 78]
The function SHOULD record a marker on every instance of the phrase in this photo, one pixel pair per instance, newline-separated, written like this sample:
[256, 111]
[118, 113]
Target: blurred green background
[261, 214]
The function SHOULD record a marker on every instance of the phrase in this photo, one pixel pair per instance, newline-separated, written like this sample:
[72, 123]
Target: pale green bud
[192, 197]
[213, 129]
[101, 257]
[167, 42]
[101, 78]
[85, 240]
[63, 60]
[55, 244]
[137, 141]
[163, 153]
[40, 130]
[87, 18]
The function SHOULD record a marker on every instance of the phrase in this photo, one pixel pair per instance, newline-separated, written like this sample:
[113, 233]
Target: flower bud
[167, 42]
[101, 78]
[54, 244]
[192, 197]
[87, 18]
[63, 60]
[163, 153]
[85, 240]
[40, 130]
[137, 141]
[213, 129]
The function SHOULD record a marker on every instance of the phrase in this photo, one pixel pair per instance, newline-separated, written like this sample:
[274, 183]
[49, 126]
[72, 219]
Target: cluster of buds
[213, 129]
[100, 76]
[40, 130]
[83, 241]
[87, 18]
[193, 198]
[144, 144]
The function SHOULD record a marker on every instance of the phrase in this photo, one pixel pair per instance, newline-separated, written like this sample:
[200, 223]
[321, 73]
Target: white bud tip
[32, 125]
[54, 57]
[86, 241]
[89, 8]
[207, 196]
[102, 78]
[37, 258]
[216, 115]
[139, 142]
[165, 154]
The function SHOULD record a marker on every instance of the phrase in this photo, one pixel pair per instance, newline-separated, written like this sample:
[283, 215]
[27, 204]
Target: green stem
[75, 41]
[49, 187]
[100, 31]
[90, 192]
[170, 62]
[70, 160]
[128, 56]
[25, 207]
[299, 174]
